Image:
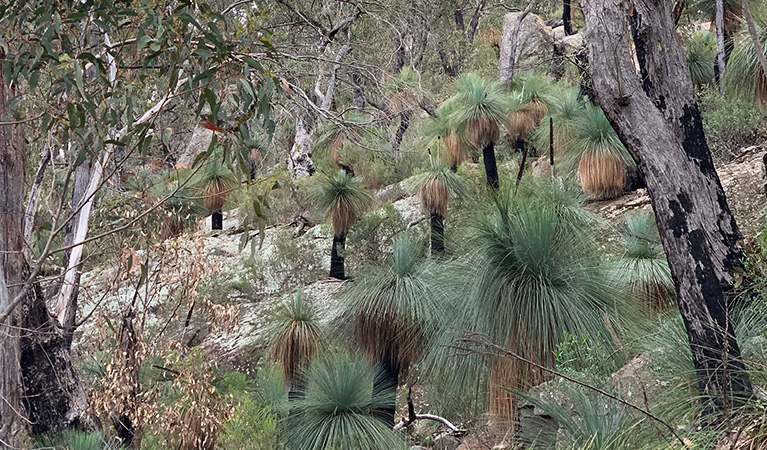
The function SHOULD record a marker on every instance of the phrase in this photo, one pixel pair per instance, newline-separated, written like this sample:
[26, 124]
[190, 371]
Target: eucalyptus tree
[396, 311]
[434, 188]
[100, 74]
[344, 198]
[656, 114]
[479, 107]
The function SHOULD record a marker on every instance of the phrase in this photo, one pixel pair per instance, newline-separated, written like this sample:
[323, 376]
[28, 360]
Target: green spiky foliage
[341, 410]
[531, 107]
[700, 56]
[76, 440]
[214, 182]
[643, 268]
[344, 198]
[396, 308]
[598, 154]
[744, 77]
[295, 335]
[565, 106]
[596, 422]
[536, 277]
[433, 188]
[479, 109]
[444, 134]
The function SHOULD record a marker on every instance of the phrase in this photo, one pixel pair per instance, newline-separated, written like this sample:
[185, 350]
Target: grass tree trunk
[12, 171]
[217, 220]
[491, 168]
[656, 116]
[404, 124]
[566, 20]
[337, 257]
[389, 380]
[437, 234]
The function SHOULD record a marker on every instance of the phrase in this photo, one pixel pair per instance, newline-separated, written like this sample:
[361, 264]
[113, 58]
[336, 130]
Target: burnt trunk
[12, 170]
[657, 118]
[217, 220]
[437, 234]
[388, 380]
[55, 397]
[491, 168]
[337, 257]
[127, 341]
[566, 22]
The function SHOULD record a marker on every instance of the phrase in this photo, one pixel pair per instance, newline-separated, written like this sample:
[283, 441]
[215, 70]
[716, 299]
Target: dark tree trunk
[388, 381]
[358, 95]
[12, 170]
[437, 234]
[337, 257]
[217, 220]
[491, 169]
[55, 397]
[124, 428]
[404, 124]
[566, 17]
[450, 69]
[657, 118]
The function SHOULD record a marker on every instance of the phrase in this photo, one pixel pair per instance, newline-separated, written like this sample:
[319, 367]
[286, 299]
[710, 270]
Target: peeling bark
[657, 118]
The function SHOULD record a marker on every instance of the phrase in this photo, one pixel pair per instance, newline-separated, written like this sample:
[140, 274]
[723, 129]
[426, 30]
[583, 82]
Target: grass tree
[295, 338]
[215, 182]
[341, 409]
[396, 311]
[445, 135]
[700, 53]
[344, 197]
[433, 189]
[526, 109]
[566, 105]
[643, 268]
[745, 77]
[600, 156]
[479, 107]
[537, 275]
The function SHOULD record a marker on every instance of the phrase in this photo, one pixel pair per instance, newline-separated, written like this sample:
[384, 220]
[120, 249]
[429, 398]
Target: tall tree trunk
[657, 118]
[566, 20]
[128, 343]
[34, 194]
[337, 257]
[437, 234]
[301, 164]
[720, 50]
[404, 124]
[491, 168]
[12, 170]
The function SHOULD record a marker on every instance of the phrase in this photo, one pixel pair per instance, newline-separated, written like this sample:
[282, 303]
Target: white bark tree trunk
[720, 51]
[34, 194]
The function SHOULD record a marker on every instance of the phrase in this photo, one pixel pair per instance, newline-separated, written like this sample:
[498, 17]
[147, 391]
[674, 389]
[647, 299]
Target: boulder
[558, 32]
[573, 44]
[535, 44]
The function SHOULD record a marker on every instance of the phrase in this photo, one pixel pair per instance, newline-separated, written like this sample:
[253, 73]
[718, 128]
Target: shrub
[730, 124]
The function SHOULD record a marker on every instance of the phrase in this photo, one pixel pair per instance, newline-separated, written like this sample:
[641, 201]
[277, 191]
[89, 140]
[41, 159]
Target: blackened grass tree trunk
[491, 167]
[566, 20]
[656, 116]
[437, 224]
[337, 257]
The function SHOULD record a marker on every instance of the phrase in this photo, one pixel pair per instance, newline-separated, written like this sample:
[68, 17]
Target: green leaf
[254, 64]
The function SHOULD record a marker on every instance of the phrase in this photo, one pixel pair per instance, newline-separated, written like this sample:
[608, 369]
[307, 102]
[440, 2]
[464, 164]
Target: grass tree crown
[344, 198]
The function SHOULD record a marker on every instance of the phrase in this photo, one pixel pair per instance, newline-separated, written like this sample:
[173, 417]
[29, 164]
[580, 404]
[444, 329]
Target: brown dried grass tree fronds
[295, 336]
[598, 154]
[602, 177]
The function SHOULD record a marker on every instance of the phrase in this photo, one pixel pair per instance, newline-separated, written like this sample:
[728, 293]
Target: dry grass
[214, 194]
[457, 149]
[525, 119]
[602, 177]
[761, 90]
[402, 101]
[483, 130]
[344, 216]
[334, 152]
[433, 195]
[379, 336]
[293, 348]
